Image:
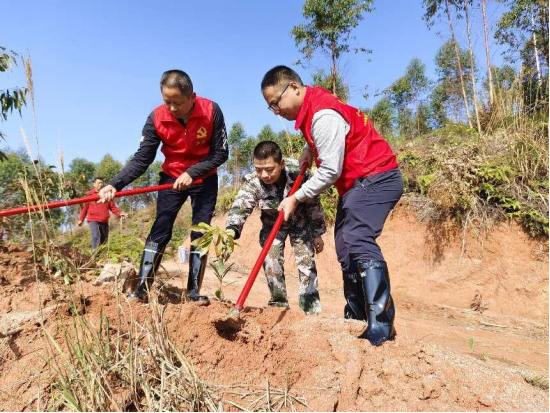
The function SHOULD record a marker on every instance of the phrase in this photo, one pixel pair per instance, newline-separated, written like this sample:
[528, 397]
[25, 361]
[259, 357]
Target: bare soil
[472, 324]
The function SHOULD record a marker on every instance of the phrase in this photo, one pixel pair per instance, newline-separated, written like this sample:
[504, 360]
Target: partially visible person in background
[98, 215]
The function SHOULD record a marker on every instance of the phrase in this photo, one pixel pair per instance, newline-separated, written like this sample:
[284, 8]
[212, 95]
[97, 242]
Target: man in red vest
[98, 215]
[191, 130]
[352, 156]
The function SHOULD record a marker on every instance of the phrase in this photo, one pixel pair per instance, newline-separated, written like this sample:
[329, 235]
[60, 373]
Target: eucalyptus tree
[328, 29]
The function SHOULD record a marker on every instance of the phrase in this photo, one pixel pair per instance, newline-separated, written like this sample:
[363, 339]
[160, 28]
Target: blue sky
[96, 64]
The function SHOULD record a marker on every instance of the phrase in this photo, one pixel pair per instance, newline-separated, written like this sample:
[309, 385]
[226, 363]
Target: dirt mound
[17, 261]
[28, 284]
[320, 359]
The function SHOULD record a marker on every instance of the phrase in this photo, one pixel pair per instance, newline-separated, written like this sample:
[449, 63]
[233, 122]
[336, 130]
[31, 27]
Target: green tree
[81, 173]
[328, 28]
[267, 134]
[18, 173]
[79, 178]
[241, 147]
[434, 8]
[447, 94]
[423, 117]
[473, 81]
[504, 77]
[11, 193]
[14, 98]
[291, 144]
[398, 94]
[489, 83]
[406, 95]
[247, 152]
[382, 116]
[237, 136]
[149, 178]
[325, 81]
[524, 28]
[108, 167]
[438, 102]
[507, 90]
[416, 75]
[405, 123]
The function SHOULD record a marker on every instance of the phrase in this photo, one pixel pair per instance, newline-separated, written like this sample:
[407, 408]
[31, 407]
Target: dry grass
[540, 382]
[481, 181]
[135, 366]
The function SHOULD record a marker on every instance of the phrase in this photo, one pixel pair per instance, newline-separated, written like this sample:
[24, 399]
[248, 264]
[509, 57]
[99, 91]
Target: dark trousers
[360, 217]
[169, 202]
[100, 233]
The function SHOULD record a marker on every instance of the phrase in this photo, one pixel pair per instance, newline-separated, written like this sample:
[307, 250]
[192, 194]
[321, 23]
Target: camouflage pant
[275, 274]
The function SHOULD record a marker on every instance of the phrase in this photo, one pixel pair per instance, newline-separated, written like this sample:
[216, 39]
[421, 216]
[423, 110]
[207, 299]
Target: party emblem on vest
[201, 133]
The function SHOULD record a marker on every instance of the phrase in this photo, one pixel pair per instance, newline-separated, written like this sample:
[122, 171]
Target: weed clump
[482, 180]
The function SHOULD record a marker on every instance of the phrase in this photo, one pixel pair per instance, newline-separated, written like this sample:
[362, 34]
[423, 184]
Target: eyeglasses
[275, 105]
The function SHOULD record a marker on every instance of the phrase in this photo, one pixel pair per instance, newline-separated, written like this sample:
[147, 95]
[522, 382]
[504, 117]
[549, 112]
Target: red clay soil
[472, 325]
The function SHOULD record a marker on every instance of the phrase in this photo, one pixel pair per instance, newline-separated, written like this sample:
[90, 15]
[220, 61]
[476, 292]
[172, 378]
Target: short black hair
[173, 79]
[99, 178]
[268, 149]
[280, 74]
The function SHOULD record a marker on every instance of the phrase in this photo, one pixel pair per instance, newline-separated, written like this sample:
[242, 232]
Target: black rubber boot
[379, 303]
[197, 267]
[353, 292]
[150, 262]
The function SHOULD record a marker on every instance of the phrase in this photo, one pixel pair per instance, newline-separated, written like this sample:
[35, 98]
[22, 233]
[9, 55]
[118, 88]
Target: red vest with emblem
[185, 146]
[367, 153]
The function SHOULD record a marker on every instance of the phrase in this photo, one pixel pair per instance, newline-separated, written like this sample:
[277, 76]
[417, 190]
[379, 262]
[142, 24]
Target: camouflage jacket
[308, 215]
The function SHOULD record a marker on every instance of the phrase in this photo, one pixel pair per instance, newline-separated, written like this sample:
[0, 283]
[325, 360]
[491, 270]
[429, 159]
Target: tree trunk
[542, 16]
[235, 167]
[333, 70]
[464, 96]
[472, 70]
[417, 117]
[539, 74]
[489, 70]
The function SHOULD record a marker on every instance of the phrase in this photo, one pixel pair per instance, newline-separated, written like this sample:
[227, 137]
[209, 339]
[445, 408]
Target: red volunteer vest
[182, 146]
[367, 153]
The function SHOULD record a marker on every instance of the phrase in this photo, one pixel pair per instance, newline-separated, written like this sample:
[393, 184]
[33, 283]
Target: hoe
[85, 199]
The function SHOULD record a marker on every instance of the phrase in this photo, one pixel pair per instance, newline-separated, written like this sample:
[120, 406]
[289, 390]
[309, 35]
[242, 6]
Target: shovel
[232, 321]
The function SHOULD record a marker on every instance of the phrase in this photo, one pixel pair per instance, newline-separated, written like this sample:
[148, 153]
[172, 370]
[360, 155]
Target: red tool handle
[90, 198]
[252, 277]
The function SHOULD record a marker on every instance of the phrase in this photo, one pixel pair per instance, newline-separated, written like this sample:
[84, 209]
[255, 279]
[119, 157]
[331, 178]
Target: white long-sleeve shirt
[329, 131]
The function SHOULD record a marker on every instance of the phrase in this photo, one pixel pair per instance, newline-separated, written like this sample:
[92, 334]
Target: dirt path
[497, 339]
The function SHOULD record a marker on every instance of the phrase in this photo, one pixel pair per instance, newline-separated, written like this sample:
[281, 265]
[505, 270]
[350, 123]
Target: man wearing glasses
[352, 156]
[192, 132]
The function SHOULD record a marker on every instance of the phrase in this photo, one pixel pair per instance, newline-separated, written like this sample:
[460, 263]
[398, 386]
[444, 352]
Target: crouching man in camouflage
[267, 187]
